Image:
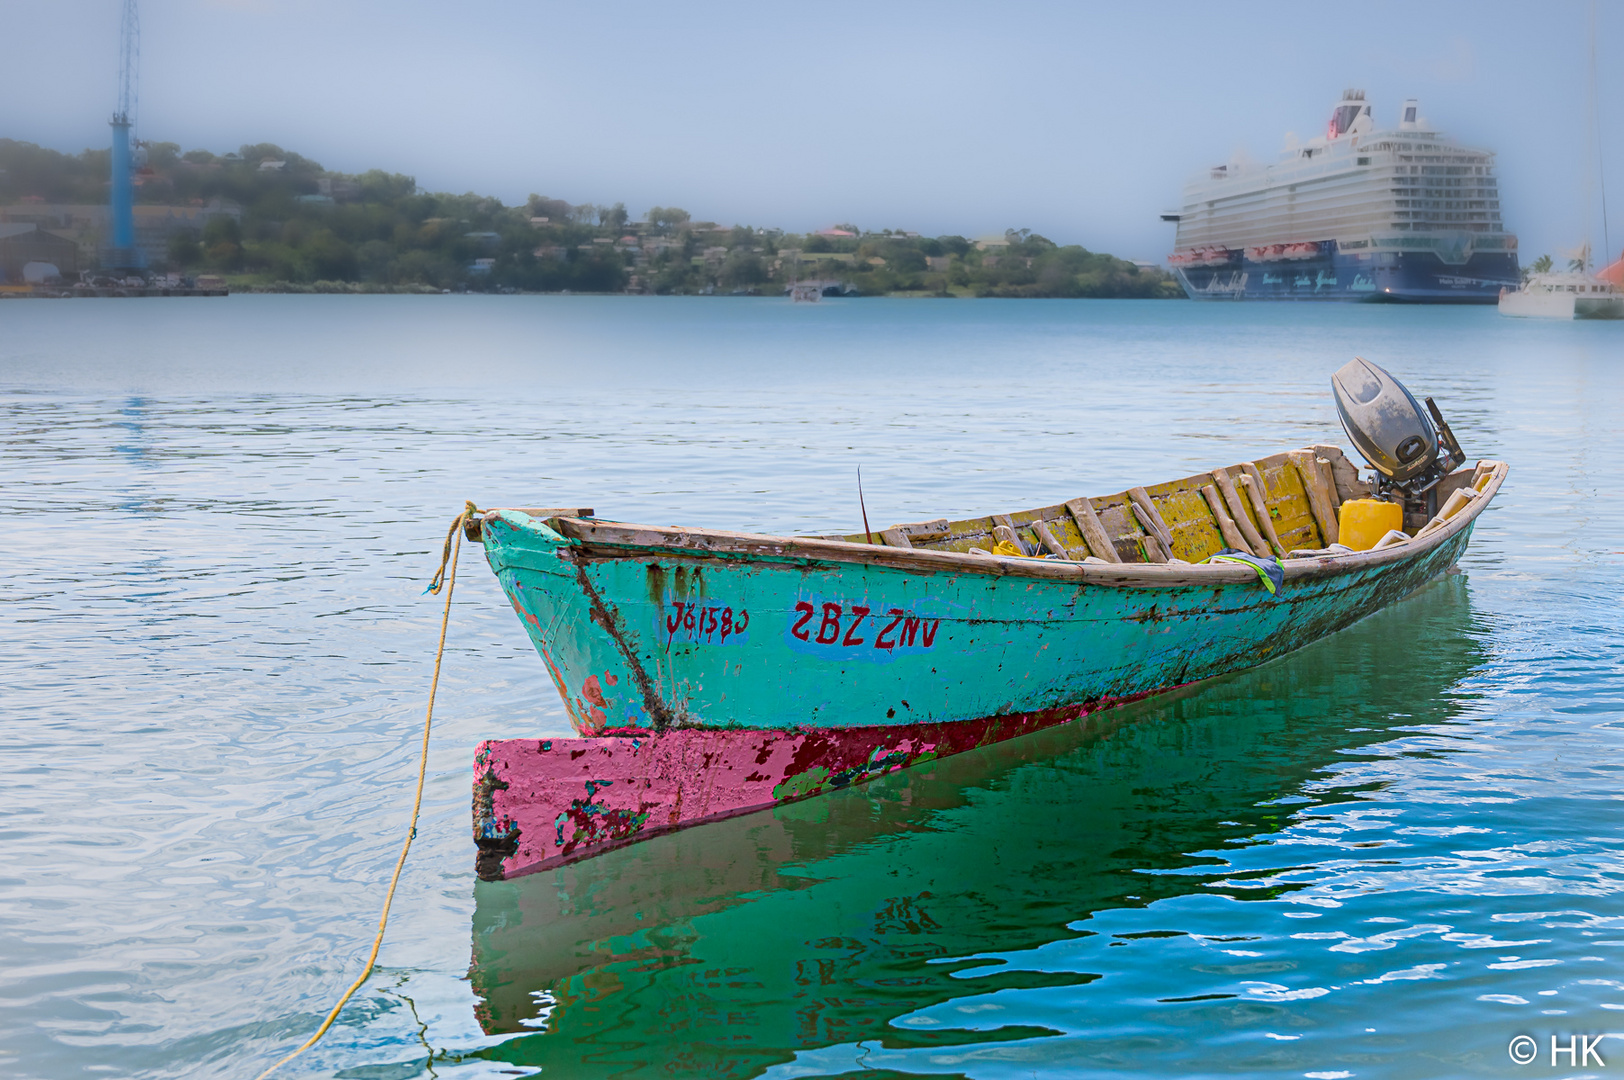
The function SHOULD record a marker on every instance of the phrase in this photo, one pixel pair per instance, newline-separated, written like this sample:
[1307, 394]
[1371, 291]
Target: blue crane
[122, 254]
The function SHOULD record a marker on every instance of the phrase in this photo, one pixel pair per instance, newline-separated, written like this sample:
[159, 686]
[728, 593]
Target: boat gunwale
[593, 538]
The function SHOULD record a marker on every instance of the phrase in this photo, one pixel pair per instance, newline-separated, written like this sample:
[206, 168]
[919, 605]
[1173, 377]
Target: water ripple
[218, 520]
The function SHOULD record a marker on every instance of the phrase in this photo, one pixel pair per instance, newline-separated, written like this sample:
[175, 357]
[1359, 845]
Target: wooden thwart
[1258, 491]
[1226, 526]
[902, 535]
[1452, 506]
[1088, 523]
[1320, 499]
[1003, 528]
[1232, 499]
[1151, 518]
[1254, 492]
[1041, 527]
[1328, 480]
[1344, 474]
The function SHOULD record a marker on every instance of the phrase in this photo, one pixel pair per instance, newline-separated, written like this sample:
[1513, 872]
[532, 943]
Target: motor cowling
[1409, 450]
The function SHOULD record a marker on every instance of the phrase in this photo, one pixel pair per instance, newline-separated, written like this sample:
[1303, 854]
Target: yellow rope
[449, 557]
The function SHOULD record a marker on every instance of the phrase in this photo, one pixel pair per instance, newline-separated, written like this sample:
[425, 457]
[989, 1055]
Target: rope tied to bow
[470, 511]
[445, 577]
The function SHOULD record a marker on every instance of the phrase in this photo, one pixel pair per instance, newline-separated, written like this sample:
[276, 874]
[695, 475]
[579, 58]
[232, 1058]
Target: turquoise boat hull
[860, 645]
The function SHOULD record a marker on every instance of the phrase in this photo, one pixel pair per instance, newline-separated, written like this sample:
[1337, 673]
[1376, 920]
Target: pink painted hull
[539, 803]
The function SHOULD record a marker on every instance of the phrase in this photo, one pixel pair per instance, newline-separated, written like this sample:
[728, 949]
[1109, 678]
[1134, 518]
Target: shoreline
[70, 292]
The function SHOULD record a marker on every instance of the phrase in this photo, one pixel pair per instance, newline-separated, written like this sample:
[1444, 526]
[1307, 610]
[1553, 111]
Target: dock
[65, 292]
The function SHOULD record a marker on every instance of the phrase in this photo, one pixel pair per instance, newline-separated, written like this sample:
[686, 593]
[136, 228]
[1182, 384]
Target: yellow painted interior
[1180, 503]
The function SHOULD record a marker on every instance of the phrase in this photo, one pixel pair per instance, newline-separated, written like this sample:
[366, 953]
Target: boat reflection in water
[728, 949]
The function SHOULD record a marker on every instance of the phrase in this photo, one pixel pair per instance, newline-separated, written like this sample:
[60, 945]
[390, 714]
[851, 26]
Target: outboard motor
[1409, 451]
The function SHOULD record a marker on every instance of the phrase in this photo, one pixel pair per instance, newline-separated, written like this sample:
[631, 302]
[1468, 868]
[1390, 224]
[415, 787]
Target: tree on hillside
[907, 260]
[162, 155]
[379, 186]
[30, 170]
[554, 210]
[255, 153]
[743, 269]
[222, 243]
[184, 249]
[668, 217]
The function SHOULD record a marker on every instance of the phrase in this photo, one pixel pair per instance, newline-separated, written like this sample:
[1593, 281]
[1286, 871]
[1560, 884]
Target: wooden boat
[711, 673]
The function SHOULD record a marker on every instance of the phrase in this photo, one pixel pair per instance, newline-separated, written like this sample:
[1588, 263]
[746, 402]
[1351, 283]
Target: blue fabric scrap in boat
[1271, 572]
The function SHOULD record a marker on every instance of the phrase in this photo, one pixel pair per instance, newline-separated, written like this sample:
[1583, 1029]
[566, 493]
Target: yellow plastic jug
[1362, 522]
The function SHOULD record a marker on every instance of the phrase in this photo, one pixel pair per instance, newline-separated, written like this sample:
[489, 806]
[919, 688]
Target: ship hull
[1414, 277]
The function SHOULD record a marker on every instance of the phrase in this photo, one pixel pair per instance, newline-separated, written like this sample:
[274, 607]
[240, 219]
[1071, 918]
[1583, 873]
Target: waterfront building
[87, 225]
[22, 243]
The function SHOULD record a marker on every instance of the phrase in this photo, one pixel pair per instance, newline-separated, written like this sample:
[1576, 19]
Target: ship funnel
[1347, 111]
[1410, 118]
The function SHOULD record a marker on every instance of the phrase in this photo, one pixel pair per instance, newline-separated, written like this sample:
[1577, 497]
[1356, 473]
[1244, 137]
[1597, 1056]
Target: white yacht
[1564, 296]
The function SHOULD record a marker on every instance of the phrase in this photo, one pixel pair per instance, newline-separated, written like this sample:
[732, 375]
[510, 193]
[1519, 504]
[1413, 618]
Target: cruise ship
[1399, 214]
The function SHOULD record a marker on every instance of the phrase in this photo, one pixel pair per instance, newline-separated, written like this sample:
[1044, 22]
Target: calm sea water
[1384, 856]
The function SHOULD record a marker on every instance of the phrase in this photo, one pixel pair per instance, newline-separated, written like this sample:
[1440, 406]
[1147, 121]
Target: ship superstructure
[1360, 213]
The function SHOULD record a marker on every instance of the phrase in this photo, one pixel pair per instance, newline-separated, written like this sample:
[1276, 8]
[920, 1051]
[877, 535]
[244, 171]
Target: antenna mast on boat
[1595, 135]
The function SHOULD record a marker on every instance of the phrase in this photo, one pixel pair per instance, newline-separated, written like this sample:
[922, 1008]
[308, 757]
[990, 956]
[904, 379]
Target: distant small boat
[1563, 296]
[711, 673]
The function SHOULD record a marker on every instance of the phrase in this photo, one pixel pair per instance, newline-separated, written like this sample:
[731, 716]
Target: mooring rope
[448, 558]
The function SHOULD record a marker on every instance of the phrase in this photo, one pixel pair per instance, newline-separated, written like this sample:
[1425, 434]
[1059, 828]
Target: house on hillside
[337, 188]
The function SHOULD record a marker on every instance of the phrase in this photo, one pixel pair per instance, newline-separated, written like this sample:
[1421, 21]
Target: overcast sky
[1080, 121]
